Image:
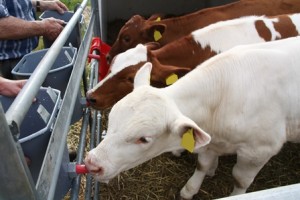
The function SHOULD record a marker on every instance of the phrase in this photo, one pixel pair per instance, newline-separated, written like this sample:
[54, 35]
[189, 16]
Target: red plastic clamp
[81, 169]
[102, 48]
[75, 169]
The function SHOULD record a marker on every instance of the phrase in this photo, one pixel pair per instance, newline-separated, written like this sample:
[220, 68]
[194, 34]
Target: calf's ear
[151, 29]
[192, 136]
[142, 76]
[162, 73]
[156, 17]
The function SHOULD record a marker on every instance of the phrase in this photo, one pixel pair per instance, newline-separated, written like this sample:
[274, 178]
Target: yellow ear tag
[157, 35]
[171, 79]
[188, 141]
[158, 19]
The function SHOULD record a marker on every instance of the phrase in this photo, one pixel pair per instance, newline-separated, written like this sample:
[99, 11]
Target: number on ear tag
[171, 79]
[188, 141]
[157, 35]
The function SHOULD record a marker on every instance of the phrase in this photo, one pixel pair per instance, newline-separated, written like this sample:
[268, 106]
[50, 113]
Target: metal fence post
[15, 175]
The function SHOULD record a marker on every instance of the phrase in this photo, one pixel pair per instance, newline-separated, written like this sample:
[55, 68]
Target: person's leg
[7, 66]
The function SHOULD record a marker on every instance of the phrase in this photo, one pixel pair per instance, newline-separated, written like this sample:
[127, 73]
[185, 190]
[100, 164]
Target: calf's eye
[126, 39]
[130, 79]
[142, 140]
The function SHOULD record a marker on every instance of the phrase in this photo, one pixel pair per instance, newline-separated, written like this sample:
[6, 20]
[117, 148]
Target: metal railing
[16, 181]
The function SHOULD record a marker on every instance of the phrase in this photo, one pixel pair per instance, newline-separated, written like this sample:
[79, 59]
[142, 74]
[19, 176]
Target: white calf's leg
[245, 170]
[205, 161]
[213, 168]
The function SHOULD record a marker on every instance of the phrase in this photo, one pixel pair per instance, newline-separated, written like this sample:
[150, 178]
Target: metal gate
[57, 174]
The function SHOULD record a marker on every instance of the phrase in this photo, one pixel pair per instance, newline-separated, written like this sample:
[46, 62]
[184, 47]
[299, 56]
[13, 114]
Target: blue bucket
[37, 126]
[58, 76]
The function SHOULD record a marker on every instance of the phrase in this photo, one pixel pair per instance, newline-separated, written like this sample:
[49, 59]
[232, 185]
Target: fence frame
[15, 169]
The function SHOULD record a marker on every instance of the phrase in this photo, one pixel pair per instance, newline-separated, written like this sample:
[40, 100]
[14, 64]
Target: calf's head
[144, 124]
[119, 82]
[135, 31]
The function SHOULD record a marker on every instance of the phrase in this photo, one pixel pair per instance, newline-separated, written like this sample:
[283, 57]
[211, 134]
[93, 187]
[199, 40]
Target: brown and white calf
[179, 57]
[245, 101]
[138, 30]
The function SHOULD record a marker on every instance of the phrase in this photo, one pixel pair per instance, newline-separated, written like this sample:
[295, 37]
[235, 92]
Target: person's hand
[11, 88]
[52, 28]
[54, 5]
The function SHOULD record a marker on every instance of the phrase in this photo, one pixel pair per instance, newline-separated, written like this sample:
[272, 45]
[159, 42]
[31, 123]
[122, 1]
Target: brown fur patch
[285, 27]
[263, 30]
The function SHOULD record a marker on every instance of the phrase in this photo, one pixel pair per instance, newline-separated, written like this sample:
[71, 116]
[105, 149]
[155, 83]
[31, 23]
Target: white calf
[246, 101]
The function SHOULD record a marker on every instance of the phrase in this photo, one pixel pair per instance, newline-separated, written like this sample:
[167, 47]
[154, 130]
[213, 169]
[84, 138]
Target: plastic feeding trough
[58, 76]
[74, 37]
[36, 127]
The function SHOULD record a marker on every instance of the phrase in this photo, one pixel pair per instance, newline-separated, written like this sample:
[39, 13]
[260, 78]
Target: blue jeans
[6, 67]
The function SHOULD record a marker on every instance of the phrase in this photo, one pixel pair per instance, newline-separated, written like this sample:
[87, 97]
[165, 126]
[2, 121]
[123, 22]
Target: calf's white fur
[246, 101]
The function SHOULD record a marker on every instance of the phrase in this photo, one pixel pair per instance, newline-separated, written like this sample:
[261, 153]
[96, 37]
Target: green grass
[71, 3]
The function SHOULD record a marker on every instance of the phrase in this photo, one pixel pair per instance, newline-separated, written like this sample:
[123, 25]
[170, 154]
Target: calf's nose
[89, 98]
[92, 166]
[88, 94]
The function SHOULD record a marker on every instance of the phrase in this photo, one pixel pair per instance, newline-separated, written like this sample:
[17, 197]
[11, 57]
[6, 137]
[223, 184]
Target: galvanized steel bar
[76, 182]
[100, 30]
[98, 139]
[16, 182]
[97, 120]
[47, 181]
[88, 189]
[102, 20]
[86, 119]
[17, 111]
[89, 180]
